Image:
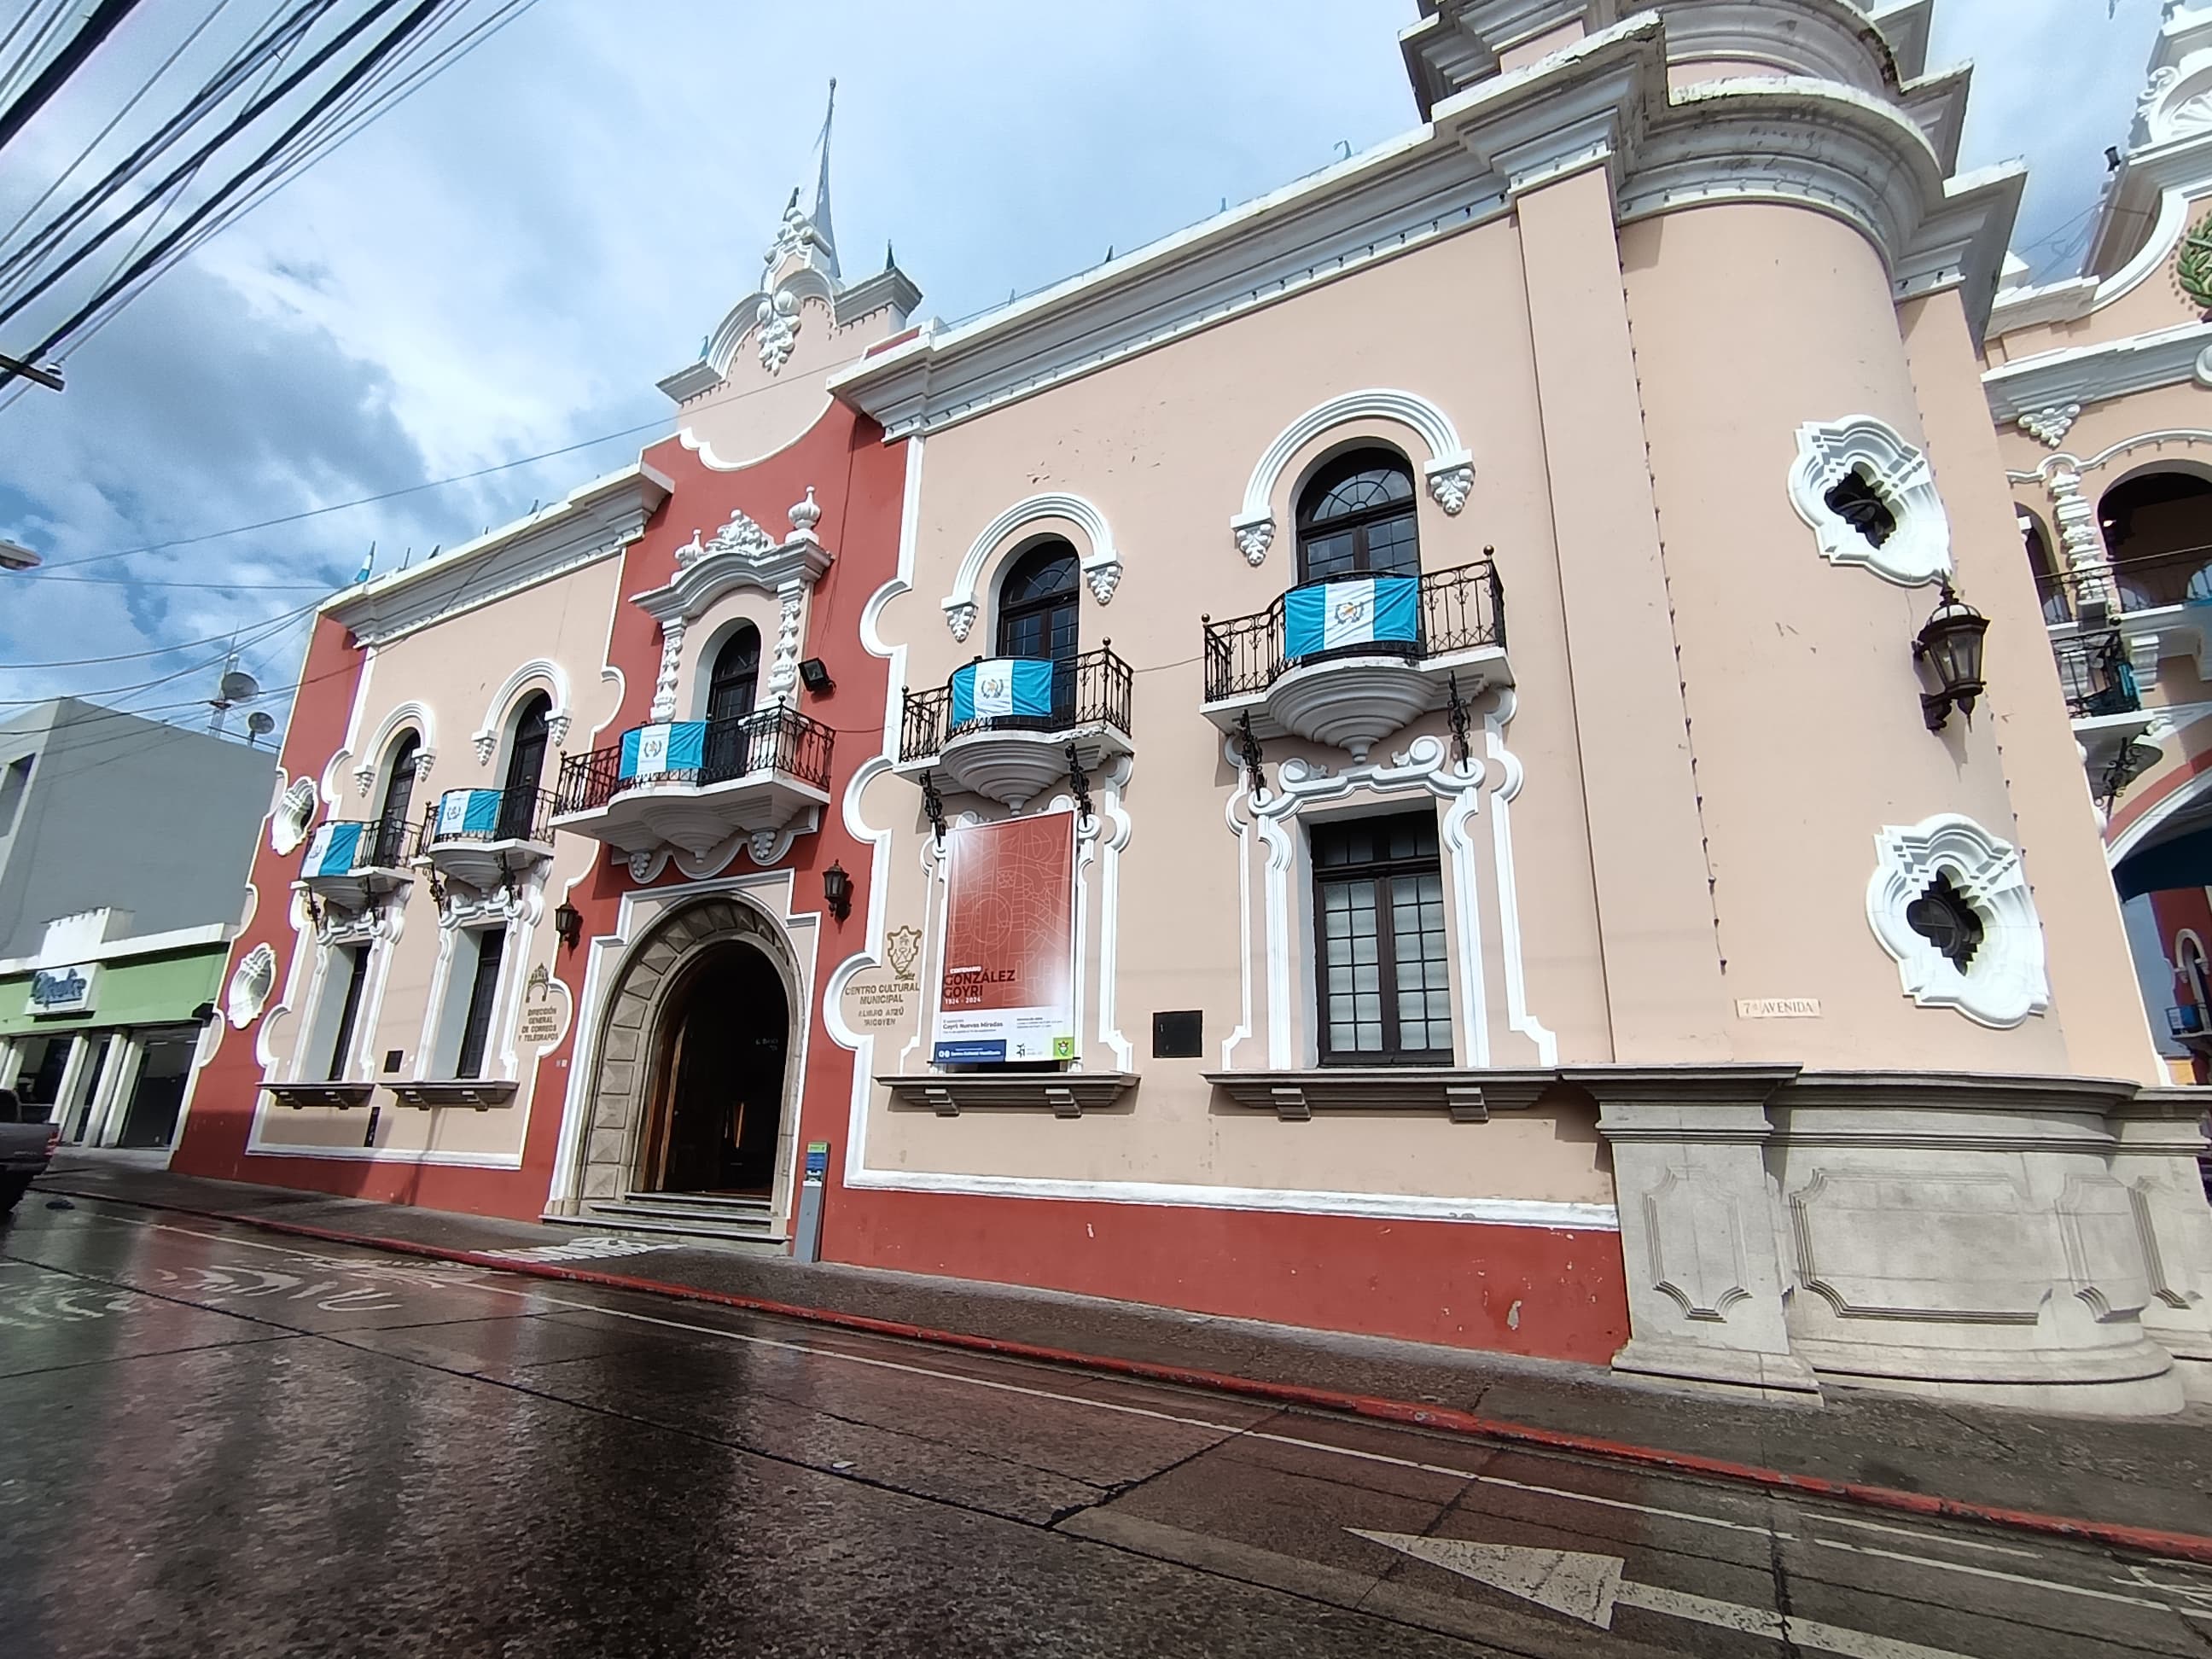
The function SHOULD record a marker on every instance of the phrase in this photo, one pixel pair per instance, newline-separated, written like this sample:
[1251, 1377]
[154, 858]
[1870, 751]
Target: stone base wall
[2038, 1241]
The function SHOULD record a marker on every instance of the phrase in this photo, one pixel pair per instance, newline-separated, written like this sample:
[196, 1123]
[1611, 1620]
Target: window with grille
[1356, 519]
[1379, 931]
[483, 994]
[1037, 617]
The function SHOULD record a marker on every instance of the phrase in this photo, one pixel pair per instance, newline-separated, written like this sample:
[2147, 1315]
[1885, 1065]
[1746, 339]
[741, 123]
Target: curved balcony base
[484, 865]
[1017, 767]
[356, 889]
[1354, 702]
[696, 818]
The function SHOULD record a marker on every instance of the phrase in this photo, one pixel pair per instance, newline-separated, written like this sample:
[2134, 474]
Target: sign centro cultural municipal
[62, 990]
[1008, 992]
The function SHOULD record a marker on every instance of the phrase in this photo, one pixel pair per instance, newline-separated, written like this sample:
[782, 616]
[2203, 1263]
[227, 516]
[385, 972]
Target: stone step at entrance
[700, 1215]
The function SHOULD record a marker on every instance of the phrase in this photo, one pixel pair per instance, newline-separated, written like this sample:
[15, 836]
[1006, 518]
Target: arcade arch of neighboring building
[2156, 524]
[697, 1075]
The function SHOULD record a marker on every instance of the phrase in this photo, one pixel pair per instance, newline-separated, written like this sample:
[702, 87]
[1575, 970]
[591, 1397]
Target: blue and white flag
[330, 852]
[1002, 686]
[648, 751]
[467, 813]
[1363, 611]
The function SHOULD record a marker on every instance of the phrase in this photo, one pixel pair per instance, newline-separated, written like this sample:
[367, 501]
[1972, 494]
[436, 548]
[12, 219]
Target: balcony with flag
[352, 862]
[1009, 728]
[692, 785]
[1349, 661]
[484, 838]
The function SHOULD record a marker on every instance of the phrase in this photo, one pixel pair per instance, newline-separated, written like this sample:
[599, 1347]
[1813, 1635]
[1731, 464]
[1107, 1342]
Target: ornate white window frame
[1449, 469]
[1915, 553]
[541, 674]
[2006, 981]
[251, 983]
[374, 753]
[291, 815]
[1425, 769]
[1101, 561]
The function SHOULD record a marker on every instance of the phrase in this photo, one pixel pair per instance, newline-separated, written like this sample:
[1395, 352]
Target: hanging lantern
[1950, 645]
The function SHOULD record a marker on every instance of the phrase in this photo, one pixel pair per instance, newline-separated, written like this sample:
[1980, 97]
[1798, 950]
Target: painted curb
[2177, 1546]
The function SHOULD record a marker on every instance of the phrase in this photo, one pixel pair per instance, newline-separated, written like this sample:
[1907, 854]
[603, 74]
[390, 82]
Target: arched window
[2158, 530]
[1036, 616]
[728, 752]
[392, 822]
[1356, 519]
[2050, 585]
[2192, 972]
[736, 678]
[526, 768]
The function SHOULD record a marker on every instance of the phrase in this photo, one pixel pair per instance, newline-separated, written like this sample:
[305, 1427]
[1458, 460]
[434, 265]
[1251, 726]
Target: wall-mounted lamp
[568, 924]
[838, 892]
[1950, 644]
[814, 675]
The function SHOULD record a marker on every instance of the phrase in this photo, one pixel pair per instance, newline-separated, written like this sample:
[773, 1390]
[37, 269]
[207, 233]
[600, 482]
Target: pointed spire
[821, 186]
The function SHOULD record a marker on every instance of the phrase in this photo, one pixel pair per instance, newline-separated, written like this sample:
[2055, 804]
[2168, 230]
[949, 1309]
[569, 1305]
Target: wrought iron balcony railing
[483, 815]
[345, 847]
[1455, 610]
[777, 738]
[2149, 582]
[1091, 688]
[2095, 673]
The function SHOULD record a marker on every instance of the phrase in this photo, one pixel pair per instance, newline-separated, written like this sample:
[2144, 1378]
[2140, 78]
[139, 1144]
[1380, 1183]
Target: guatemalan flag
[1363, 611]
[1002, 686]
[675, 746]
[330, 852]
[468, 812]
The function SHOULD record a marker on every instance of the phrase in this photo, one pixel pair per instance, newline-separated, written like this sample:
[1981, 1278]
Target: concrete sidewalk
[2153, 1473]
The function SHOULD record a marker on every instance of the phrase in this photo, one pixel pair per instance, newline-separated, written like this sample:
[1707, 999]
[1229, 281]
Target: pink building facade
[1464, 751]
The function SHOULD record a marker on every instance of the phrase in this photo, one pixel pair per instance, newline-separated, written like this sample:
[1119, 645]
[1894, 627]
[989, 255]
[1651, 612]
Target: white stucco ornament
[1915, 548]
[777, 317]
[2004, 981]
[295, 811]
[2049, 427]
[251, 982]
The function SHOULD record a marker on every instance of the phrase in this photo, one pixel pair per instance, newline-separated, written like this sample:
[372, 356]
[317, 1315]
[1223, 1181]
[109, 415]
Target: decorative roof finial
[822, 229]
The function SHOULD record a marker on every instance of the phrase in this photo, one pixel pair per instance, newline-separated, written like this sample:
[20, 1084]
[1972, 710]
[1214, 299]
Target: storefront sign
[1007, 990]
[62, 990]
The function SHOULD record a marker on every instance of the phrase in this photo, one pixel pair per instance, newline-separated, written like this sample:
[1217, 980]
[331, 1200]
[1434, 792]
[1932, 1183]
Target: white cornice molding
[1459, 44]
[694, 589]
[2062, 302]
[597, 520]
[2092, 373]
[1603, 102]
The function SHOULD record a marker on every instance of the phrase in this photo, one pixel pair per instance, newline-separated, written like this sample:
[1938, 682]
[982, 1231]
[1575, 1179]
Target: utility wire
[131, 656]
[237, 124]
[65, 63]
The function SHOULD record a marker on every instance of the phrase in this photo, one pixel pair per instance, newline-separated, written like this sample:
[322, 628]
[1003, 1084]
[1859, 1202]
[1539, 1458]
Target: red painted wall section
[1536, 1290]
[859, 482]
[213, 1142]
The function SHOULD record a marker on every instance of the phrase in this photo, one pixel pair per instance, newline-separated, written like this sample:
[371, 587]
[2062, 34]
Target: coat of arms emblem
[902, 946]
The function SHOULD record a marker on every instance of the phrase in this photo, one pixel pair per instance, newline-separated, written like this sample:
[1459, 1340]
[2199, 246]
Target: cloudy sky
[506, 264]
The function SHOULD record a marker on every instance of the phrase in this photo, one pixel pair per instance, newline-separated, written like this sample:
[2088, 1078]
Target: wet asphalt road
[217, 1441]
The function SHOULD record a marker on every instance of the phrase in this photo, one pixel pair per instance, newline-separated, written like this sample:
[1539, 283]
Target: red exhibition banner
[1008, 989]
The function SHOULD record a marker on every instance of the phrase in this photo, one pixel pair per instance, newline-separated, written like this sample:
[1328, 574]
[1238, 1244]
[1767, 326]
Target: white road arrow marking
[1589, 1587]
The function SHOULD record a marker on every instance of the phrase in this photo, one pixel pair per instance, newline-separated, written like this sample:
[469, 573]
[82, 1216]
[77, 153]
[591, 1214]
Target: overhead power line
[64, 64]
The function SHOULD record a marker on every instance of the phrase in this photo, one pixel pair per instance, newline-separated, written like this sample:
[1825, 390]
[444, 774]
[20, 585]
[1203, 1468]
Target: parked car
[26, 1147]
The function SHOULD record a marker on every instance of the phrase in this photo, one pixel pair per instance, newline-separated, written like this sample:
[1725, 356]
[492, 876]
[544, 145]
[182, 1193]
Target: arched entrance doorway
[715, 1117]
[692, 1116]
